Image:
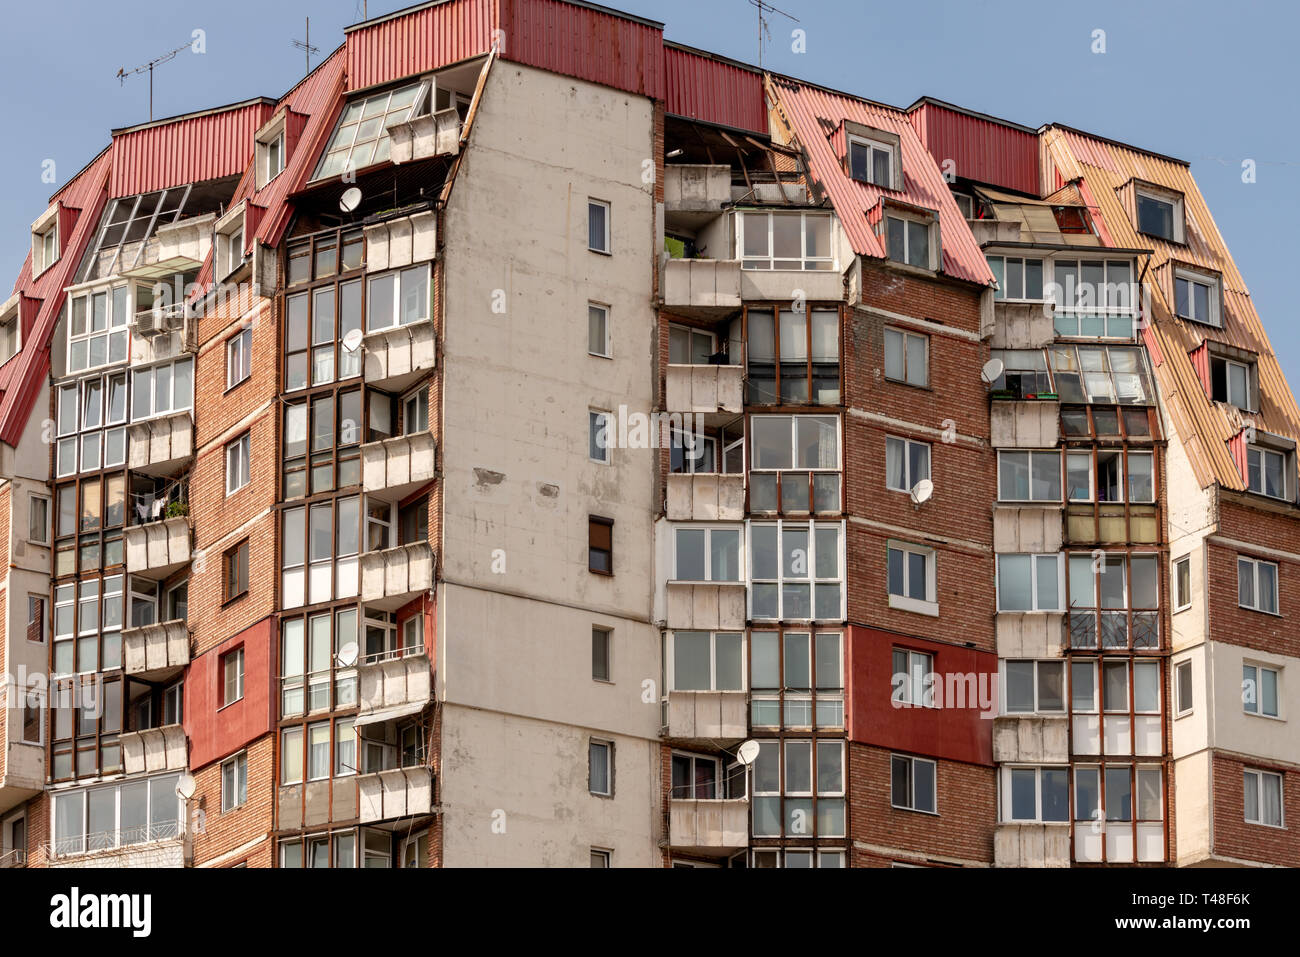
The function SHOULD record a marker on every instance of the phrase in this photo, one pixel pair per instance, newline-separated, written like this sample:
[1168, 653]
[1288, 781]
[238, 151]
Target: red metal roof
[712, 90]
[188, 149]
[419, 40]
[817, 117]
[981, 148]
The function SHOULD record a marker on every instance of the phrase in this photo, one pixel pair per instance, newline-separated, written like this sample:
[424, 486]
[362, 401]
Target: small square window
[601, 642]
[906, 463]
[912, 783]
[232, 676]
[1262, 792]
[1259, 690]
[1183, 583]
[237, 467]
[234, 782]
[601, 858]
[598, 226]
[1257, 585]
[598, 330]
[908, 241]
[1160, 214]
[1232, 382]
[235, 571]
[239, 357]
[911, 578]
[600, 768]
[1266, 471]
[600, 435]
[600, 546]
[871, 161]
[1197, 297]
[907, 357]
[1183, 687]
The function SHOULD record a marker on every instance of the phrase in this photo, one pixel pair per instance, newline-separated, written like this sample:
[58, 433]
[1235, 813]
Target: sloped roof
[816, 117]
[1107, 172]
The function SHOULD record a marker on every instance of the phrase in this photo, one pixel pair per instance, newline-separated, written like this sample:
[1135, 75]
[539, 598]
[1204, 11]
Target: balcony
[717, 827]
[178, 247]
[695, 194]
[391, 683]
[701, 288]
[785, 285]
[1027, 528]
[397, 357]
[161, 334]
[1030, 634]
[156, 652]
[154, 749]
[161, 446]
[708, 390]
[13, 857]
[393, 576]
[423, 137]
[1024, 424]
[24, 766]
[156, 549]
[710, 606]
[1022, 325]
[148, 845]
[394, 468]
[1031, 845]
[399, 242]
[399, 793]
[716, 716]
[1031, 739]
[706, 497]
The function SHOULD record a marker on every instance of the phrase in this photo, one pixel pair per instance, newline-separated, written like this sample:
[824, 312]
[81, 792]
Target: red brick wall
[220, 833]
[1241, 626]
[1233, 837]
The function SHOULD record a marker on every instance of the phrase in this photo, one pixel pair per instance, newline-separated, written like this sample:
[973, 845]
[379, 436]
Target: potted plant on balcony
[177, 509]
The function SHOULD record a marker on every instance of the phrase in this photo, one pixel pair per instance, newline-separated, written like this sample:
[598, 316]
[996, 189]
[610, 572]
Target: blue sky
[1203, 81]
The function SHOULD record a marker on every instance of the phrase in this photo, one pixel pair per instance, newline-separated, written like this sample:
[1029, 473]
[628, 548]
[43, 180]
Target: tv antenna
[765, 7]
[123, 73]
[305, 45]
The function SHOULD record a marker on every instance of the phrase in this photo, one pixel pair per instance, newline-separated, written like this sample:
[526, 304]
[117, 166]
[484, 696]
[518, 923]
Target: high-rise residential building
[529, 441]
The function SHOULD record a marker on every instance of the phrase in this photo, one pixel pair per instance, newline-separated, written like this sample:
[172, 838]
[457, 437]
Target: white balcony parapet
[708, 715]
[397, 356]
[421, 137]
[162, 445]
[158, 548]
[402, 241]
[1031, 739]
[695, 606]
[394, 682]
[701, 283]
[696, 188]
[175, 248]
[399, 793]
[393, 576]
[788, 284]
[151, 651]
[706, 497]
[154, 749]
[704, 388]
[1031, 845]
[391, 468]
[1024, 424]
[718, 826]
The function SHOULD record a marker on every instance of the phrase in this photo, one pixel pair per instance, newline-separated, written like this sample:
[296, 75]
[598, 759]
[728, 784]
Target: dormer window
[228, 248]
[871, 161]
[1197, 297]
[271, 150]
[909, 239]
[45, 241]
[1232, 381]
[1266, 471]
[10, 329]
[361, 137]
[1159, 213]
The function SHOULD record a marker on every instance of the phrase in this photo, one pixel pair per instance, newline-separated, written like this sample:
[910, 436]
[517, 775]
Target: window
[695, 777]
[1197, 297]
[1183, 688]
[270, 154]
[36, 617]
[345, 747]
[913, 679]
[871, 161]
[45, 243]
[321, 545]
[796, 462]
[912, 783]
[796, 571]
[232, 676]
[1030, 582]
[90, 424]
[1103, 587]
[1266, 471]
[1018, 278]
[598, 215]
[600, 545]
[1024, 373]
[1262, 791]
[98, 328]
[10, 335]
[1034, 687]
[1257, 585]
[785, 240]
[38, 519]
[237, 468]
[687, 346]
[1103, 374]
[162, 389]
[228, 242]
[797, 679]
[1036, 794]
[600, 768]
[707, 554]
[234, 782]
[1183, 583]
[1231, 382]
[601, 858]
[598, 330]
[602, 640]
[415, 411]
[1160, 213]
[600, 432]
[908, 241]
[907, 357]
[911, 578]
[235, 568]
[1259, 690]
[393, 299]
[1094, 298]
[706, 661]
[1029, 476]
[799, 788]
[116, 816]
[321, 443]
[239, 357]
[793, 356]
[692, 452]
[360, 138]
[312, 658]
[906, 463]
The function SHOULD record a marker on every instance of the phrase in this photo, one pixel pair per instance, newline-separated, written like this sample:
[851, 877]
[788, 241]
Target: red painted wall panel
[703, 88]
[948, 732]
[216, 734]
[983, 150]
[418, 41]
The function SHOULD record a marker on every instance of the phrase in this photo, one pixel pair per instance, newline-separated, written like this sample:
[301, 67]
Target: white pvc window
[1257, 585]
[1030, 582]
[1266, 471]
[162, 389]
[911, 578]
[796, 571]
[1262, 791]
[907, 357]
[785, 240]
[1034, 687]
[906, 463]
[397, 298]
[706, 554]
[706, 661]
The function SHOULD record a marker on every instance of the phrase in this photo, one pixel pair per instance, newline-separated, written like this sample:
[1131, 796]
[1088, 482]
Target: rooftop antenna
[305, 45]
[765, 7]
[123, 73]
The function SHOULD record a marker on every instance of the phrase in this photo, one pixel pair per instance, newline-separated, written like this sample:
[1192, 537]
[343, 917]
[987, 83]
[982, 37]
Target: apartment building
[501, 451]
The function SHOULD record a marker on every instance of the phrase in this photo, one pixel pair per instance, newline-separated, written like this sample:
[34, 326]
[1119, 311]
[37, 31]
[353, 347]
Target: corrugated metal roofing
[422, 39]
[712, 90]
[1106, 172]
[817, 116]
[981, 148]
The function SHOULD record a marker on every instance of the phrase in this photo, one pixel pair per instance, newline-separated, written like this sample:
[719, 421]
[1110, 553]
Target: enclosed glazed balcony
[393, 576]
[156, 652]
[157, 549]
[394, 468]
[161, 446]
[715, 716]
[712, 827]
[1031, 739]
[1031, 845]
[394, 794]
[394, 681]
[154, 749]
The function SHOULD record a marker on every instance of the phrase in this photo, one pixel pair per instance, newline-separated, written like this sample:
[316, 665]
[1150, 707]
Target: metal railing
[13, 857]
[116, 839]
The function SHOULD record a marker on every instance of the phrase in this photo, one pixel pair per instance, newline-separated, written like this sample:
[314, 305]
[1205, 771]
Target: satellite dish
[348, 654]
[350, 199]
[992, 371]
[352, 340]
[922, 491]
[747, 753]
[185, 786]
